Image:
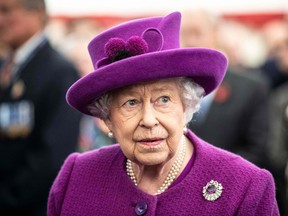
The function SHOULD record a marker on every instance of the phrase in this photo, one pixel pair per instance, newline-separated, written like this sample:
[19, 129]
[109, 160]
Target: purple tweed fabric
[164, 59]
[96, 183]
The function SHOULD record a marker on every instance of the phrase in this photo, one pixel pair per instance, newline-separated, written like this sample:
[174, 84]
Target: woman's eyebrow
[163, 88]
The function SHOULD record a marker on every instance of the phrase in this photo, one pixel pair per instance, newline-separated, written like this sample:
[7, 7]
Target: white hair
[191, 94]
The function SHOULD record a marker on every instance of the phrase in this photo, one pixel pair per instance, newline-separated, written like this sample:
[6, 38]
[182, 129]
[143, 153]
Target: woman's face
[147, 120]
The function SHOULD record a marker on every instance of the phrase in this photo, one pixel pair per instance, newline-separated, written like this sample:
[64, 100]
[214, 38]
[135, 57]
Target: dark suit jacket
[30, 162]
[278, 143]
[238, 118]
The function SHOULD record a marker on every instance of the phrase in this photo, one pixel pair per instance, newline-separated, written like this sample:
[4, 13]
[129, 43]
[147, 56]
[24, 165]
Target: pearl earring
[185, 130]
[110, 134]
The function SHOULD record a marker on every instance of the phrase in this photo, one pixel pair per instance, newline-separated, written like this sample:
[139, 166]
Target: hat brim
[206, 67]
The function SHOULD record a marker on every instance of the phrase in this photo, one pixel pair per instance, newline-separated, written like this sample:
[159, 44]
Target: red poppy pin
[222, 93]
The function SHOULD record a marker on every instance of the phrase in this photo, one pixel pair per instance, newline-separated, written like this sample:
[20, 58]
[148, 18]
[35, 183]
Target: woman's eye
[130, 103]
[164, 99]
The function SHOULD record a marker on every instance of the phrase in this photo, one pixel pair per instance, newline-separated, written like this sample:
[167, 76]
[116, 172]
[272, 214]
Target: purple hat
[144, 50]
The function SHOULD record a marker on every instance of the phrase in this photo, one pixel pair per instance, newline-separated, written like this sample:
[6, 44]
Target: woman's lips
[151, 141]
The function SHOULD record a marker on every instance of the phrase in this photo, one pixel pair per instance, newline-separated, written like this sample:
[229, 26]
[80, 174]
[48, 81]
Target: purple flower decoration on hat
[117, 49]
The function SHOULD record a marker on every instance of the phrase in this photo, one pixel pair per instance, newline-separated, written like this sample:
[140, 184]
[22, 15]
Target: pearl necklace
[172, 173]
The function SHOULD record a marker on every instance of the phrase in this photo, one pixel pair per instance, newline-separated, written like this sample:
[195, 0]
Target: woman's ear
[102, 125]
[108, 124]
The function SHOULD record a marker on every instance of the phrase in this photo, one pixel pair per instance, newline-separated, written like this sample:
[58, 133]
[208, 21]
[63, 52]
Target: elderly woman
[146, 89]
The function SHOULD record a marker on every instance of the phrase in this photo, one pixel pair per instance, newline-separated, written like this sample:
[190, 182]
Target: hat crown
[160, 33]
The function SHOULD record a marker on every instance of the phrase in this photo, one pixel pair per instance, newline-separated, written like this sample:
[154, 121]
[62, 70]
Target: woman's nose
[149, 118]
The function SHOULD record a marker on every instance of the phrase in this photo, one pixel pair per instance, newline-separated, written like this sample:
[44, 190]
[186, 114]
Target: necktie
[6, 73]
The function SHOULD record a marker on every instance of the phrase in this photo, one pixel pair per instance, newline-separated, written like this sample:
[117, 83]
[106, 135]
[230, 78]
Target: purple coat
[96, 183]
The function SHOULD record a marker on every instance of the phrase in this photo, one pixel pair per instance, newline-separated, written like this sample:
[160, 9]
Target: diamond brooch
[212, 191]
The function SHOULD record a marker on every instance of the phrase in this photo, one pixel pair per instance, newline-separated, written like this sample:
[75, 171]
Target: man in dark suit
[276, 70]
[235, 116]
[278, 147]
[37, 127]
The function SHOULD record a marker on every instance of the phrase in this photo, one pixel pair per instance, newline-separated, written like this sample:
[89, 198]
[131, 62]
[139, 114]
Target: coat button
[141, 208]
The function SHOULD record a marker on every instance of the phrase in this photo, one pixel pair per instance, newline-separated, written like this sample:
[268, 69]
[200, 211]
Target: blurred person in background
[278, 142]
[276, 70]
[37, 128]
[243, 45]
[234, 116]
[93, 131]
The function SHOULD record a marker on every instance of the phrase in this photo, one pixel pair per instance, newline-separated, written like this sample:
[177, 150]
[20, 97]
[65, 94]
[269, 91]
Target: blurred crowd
[247, 114]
